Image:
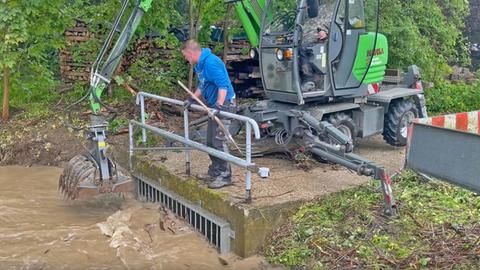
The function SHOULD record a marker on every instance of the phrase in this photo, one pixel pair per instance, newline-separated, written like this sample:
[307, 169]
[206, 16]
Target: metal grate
[214, 229]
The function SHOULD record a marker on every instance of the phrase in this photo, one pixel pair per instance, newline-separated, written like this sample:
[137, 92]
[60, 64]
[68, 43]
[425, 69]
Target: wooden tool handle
[209, 111]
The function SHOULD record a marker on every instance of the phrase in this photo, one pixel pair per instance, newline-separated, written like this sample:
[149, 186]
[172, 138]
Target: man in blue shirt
[215, 88]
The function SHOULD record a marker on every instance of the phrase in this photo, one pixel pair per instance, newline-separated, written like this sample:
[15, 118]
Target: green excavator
[322, 65]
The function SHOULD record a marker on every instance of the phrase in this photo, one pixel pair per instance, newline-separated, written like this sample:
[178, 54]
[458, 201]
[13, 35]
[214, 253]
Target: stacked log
[73, 70]
[78, 70]
[244, 72]
[238, 50]
[148, 49]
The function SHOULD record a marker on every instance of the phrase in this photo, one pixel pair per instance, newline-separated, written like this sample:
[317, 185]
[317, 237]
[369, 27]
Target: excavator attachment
[82, 179]
[94, 173]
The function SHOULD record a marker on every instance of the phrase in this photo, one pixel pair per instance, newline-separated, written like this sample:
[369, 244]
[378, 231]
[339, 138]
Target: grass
[437, 227]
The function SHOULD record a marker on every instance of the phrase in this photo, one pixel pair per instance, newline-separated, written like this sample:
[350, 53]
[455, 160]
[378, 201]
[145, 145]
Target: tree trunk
[191, 35]
[6, 93]
[225, 33]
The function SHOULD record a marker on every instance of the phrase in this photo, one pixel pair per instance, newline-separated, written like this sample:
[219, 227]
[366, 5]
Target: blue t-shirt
[212, 75]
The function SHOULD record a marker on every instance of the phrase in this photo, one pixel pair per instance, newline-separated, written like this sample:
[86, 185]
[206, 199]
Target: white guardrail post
[187, 137]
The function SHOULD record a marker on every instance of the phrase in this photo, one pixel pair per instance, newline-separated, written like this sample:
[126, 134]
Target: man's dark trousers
[217, 139]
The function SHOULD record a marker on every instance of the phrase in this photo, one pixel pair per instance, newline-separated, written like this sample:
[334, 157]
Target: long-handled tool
[209, 111]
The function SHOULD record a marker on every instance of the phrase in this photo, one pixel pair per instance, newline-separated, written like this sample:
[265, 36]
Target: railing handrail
[195, 145]
[253, 123]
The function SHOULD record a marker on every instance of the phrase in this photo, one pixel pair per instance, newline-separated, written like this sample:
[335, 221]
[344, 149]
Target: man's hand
[218, 109]
[188, 103]
[322, 35]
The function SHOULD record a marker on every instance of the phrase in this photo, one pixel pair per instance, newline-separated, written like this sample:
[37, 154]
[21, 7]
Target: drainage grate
[211, 227]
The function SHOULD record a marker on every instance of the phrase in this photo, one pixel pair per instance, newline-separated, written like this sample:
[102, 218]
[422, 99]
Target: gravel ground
[287, 182]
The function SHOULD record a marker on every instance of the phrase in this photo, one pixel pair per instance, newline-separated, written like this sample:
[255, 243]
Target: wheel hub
[406, 120]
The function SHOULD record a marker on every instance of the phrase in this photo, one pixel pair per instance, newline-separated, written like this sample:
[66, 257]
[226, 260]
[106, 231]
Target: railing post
[130, 146]
[142, 118]
[248, 174]
[187, 137]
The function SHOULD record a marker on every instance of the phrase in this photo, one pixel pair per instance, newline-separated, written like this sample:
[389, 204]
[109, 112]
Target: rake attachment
[82, 178]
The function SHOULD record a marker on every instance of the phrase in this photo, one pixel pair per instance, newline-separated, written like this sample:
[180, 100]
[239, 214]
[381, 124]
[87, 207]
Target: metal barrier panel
[444, 153]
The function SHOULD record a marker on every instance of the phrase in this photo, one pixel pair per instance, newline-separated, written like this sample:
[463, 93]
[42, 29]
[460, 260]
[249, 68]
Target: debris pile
[140, 230]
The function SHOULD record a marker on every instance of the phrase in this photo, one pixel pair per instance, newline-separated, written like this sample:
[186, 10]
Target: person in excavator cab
[315, 30]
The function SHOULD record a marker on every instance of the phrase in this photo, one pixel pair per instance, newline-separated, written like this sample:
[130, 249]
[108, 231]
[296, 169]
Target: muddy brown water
[41, 230]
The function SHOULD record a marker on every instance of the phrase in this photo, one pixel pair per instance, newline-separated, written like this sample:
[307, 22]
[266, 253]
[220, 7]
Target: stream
[41, 230]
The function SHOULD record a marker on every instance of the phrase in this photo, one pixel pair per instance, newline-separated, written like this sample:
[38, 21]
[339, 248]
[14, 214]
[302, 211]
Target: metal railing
[190, 144]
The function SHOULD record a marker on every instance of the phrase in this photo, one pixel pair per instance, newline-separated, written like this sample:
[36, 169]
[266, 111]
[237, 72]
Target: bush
[427, 33]
[447, 98]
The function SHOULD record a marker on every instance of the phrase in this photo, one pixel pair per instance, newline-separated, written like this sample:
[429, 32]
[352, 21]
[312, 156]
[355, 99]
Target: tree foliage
[31, 32]
[425, 32]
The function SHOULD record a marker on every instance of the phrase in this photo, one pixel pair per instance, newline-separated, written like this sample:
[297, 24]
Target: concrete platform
[274, 199]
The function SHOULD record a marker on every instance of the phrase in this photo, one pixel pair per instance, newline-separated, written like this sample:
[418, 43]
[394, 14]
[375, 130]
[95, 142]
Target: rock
[461, 74]
[222, 261]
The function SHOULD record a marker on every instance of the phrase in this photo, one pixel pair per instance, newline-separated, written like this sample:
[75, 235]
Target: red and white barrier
[468, 121]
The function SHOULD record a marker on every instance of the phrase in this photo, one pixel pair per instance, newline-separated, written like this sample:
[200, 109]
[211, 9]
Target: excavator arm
[250, 14]
[105, 64]
[93, 172]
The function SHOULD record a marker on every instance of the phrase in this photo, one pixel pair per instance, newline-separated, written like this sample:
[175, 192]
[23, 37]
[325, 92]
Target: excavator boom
[93, 172]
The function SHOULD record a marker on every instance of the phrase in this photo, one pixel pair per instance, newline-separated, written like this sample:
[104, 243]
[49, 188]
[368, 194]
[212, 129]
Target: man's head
[191, 50]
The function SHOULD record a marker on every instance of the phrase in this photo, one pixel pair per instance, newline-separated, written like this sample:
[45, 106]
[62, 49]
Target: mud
[39, 142]
[40, 230]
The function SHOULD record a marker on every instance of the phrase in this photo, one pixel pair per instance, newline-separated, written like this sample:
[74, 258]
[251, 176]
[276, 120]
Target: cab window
[356, 16]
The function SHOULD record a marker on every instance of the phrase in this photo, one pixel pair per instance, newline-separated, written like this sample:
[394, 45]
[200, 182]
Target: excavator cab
[321, 50]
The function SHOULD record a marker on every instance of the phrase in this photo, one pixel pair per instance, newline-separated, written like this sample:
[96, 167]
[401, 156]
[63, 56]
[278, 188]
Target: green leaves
[425, 32]
[30, 34]
[13, 32]
[452, 98]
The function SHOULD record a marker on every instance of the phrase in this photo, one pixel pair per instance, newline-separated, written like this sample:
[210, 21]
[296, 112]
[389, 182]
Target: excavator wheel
[344, 123]
[81, 179]
[400, 114]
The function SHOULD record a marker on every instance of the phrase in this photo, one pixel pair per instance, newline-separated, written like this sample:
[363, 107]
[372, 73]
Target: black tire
[312, 8]
[342, 119]
[345, 124]
[399, 115]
